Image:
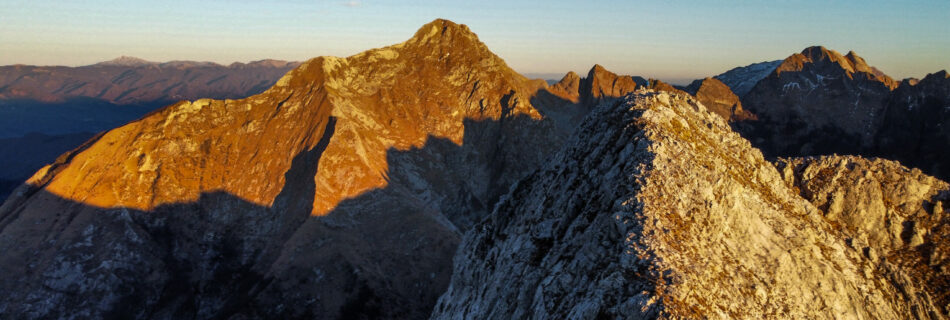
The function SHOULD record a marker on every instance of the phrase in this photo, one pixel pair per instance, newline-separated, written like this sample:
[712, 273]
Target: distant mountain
[570, 99]
[818, 102]
[126, 61]
[128, 80]
[742, 79]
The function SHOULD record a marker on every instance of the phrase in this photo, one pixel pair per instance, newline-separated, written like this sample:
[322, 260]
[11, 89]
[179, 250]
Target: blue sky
[665, 39]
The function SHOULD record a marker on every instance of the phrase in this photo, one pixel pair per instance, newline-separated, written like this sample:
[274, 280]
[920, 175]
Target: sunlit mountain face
[428, 179]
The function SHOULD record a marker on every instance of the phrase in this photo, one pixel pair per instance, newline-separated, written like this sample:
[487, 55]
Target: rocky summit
[657, 209]
[818, 102]
[340, 192]
[427, 179]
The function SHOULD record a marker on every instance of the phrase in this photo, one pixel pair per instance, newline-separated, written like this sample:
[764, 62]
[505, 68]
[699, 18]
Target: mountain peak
[442, 30]
[942, 74]
[570, 82]
[126, 61]
[851, 64]
[818, 53]
[598, 69]
[602, 84]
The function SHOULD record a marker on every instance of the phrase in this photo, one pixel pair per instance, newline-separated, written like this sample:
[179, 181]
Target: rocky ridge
[657, 209]
[893, 215]
[340, 192]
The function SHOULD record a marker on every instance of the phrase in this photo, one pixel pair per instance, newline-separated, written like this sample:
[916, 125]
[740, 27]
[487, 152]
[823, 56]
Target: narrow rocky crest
[657, 209]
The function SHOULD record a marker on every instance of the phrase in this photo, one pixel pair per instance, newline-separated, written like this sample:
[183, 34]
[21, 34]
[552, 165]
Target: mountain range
[428, 179]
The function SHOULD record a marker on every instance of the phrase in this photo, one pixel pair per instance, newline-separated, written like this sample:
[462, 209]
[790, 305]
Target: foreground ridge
[657, 209]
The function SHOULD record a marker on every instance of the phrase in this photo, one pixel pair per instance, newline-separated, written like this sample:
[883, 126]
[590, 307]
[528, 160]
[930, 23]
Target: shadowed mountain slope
[818, 102]
[402, 148]
[742, 79]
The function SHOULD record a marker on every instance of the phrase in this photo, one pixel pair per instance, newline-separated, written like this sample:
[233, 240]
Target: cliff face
[657, 209]
[340, 192]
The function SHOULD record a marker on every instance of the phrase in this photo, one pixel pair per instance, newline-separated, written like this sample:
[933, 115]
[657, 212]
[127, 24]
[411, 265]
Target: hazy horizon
[674, 42]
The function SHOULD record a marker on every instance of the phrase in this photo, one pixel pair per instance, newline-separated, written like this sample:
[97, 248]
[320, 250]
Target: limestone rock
[657, 209]
[893, 214]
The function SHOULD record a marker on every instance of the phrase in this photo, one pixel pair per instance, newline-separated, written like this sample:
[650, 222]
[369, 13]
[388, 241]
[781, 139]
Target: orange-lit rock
[718, 98]
[339, 192]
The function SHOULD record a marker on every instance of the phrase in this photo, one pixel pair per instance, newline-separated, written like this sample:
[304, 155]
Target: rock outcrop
[340, 192]
[894, 215]
[718, 98]
[657, 209]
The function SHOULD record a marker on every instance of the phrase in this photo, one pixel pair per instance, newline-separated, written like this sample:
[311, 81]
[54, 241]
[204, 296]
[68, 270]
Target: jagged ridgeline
[341, 191]
[345, 190]
[658, 210]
